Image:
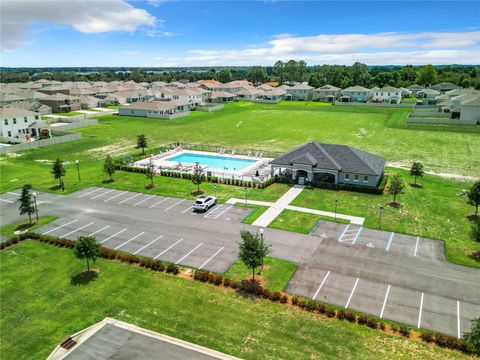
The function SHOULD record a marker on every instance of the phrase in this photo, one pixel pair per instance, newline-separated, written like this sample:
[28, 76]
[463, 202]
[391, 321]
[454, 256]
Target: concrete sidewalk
[274, 209]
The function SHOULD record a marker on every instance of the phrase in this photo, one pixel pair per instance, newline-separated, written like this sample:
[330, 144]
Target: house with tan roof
[161, 109]
[62, 103]
[387, 94]
[301, 92]
[327, 93]
[356, 94]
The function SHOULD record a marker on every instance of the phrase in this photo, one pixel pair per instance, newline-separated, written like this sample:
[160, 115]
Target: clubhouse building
[329, 163]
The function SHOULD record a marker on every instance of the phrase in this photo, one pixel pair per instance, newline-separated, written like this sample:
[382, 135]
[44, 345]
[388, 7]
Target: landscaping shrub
[451, 342]
[284, 299]
[329, 311]
[259, 290]
[173, 269]
[345, 314]
[321, 308]
[295, 300]
[404, 330]
[427, 337]
[202, 276]
[235, 285]
[276, 296]
[227, 282]
[249, 286]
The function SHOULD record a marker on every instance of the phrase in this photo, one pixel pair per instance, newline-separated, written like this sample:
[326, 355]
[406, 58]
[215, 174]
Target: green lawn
[257, 211]
[296, 221]
[69, 113]
[434, 211]
[38, 315]
[276, 273]
[7, 231]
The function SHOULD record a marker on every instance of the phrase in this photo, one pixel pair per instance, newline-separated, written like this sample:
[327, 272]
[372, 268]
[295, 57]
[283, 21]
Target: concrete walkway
[274, 209]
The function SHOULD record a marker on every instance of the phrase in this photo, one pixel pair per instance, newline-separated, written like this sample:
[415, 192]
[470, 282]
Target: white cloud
[87, 16]
[159, 33]
[380, 48]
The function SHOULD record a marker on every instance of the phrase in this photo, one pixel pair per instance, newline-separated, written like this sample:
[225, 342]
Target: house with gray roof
[415, 88]
[427, 97]
[316, 162]
[327, 92]
[302, 92]
[444, 87]
[387, 94]
[356, 94]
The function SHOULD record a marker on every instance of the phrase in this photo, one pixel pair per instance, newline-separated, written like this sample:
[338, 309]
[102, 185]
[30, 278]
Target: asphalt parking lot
[394, 276]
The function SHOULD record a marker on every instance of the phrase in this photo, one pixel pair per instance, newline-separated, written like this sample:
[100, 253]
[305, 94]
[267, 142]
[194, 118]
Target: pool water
[214, 162]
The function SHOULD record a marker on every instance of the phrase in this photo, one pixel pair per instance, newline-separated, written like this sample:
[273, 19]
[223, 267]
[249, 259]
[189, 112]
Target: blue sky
[203, 33]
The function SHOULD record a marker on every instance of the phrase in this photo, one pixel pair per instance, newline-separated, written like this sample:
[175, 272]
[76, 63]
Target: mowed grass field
[49, 306]
[274, 127]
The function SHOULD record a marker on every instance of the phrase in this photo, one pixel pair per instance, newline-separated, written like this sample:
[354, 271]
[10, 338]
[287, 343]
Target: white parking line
[121, 231]
[74, 231]
[356, 236]
[458, 320]
[164, 251]
[211, 257]
[96, 232]
[90, 192]
[8, 201]
[188, 208]
[343, 233]
[321, 285]
[12, 193]
[177, 203]
[385, 301]
[114, 196]
[420, 312]
[387, 247]
[351, 294]
[159, 202]
[131, 197]
[416, 246]
[224, 211]
[105, 193]
[126, 242]
[144, 200]
[195, 248]
[59, 227]
[150, 243]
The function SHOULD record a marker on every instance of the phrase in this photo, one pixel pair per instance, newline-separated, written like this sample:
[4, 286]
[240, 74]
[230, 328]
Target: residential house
[329, 163]
[415, 88]
[356, 94]
[6, 99]
[250, 94]
[387, 94]
[301, 92]
[34, 106]
[427, 97]
[470, 111]
[163, 109]
[273, 96]
[17, 125]
[222, 96]
[406, 93]
[444, 87]
[327, 93]
[62, 103]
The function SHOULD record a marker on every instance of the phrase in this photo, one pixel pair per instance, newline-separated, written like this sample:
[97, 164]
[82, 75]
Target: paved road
[394, 276]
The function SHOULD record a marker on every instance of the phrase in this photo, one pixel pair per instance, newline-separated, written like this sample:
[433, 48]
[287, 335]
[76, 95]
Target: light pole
[78, 170]
[215, 188]
[336, 204]
[261, 239]
[380, 209]
[245, 189]
[35, 202]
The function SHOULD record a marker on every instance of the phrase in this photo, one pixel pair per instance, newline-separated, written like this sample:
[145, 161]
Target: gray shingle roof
[333, 157]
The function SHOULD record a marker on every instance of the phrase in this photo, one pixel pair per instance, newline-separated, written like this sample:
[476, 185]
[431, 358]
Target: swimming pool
[214, 162]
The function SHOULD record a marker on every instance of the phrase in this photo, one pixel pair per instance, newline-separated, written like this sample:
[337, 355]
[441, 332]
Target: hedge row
[212, 179]
[253, 288]
[106, 253]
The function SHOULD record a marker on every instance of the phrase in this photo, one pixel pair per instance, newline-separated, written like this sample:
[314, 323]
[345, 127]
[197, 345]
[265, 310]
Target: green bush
[404, 330]
[172, 269]
[276, 296]
[427, 337]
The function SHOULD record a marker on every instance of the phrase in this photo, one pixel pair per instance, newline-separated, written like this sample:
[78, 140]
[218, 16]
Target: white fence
[59, 137]
[210, 108]
[447, 121]
[353, 103]
[73, 125]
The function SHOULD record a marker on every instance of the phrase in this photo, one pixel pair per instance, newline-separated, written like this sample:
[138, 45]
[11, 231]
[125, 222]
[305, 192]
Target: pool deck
[164, 161]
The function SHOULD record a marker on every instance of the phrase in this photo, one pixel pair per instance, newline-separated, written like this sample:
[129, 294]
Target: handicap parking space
[351, 234]
[375, 239]
[329, 229]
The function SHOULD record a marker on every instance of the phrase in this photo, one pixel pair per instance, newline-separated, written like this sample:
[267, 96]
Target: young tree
[109, 167]
[58, 171]
[396, 187]
[416, 171]
[474, 196]
[86, 247]
[224, 76]
[150, 170]
[26, 202]
[197, 176]
[142, 143]
[252, 250]
[473, 336]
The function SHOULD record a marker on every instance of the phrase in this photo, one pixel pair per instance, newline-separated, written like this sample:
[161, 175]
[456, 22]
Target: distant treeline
[283, 72]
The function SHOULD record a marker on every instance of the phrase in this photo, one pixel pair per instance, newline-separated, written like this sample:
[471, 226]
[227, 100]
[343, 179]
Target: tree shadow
[108, 181]
[83, 278]
[55, 187]
[475, 256]
[473, 217]
[395, 205]
[418, 186]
